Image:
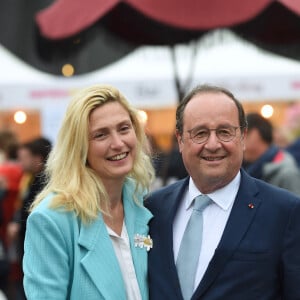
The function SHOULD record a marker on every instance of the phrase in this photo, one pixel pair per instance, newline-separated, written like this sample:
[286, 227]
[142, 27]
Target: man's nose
[212, 141]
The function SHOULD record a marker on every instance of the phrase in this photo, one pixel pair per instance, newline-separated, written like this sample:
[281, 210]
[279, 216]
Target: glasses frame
[214, 129]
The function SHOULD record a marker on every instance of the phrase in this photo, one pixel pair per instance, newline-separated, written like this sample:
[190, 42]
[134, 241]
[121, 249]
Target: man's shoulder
[171, 188]
[274, 195]
[161, 196]
[265, 190]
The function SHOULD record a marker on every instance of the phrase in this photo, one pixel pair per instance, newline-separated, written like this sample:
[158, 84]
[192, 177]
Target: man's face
[214, 163]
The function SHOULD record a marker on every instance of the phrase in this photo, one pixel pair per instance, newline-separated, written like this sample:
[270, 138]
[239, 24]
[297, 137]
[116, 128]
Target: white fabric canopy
[146, 78]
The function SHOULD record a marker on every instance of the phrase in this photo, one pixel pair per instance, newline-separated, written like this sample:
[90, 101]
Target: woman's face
[112, 142]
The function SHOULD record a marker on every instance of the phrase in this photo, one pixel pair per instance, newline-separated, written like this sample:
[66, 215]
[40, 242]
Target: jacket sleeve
[46, 262]
[291, 256]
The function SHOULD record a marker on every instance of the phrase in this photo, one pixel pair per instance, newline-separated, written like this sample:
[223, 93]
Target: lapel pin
[250, 205]
[143, 241]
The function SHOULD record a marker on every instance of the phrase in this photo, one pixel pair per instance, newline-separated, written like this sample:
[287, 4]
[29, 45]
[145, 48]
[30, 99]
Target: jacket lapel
[169, 207]
[99, 260]
[242, 215]
[136, 221]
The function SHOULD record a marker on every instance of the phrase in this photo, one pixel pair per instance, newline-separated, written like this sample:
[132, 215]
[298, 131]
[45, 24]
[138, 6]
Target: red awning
[65, 18]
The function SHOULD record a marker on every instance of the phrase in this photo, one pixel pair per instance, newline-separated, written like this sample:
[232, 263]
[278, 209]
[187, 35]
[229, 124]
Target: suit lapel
[241, 216]
[99, 260]
[170, 205]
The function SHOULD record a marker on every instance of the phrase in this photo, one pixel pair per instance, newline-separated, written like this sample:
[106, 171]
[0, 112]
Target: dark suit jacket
[258, 257]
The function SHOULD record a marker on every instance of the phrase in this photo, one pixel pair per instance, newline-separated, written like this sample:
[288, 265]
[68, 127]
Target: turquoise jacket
[66, 259]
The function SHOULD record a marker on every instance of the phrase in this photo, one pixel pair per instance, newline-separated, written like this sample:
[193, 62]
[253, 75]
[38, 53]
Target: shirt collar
[111, 233]
[218, 196]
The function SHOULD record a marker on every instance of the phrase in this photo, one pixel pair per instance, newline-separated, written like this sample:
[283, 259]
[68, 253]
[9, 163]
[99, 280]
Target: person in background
[87, 233]
[264, 160]
[173, 167]
[10, 177]
[32, 156]
[282, 136]
[247, 237]
[294, 149]
[169, 166]
[158, 156]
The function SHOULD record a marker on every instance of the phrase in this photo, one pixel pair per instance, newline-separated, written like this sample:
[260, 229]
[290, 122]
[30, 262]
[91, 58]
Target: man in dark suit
[251, 230]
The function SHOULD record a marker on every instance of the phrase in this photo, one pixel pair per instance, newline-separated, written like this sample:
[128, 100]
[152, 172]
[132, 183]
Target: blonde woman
[87, 234]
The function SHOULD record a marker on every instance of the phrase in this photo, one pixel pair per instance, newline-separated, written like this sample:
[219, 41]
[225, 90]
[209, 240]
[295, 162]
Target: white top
[122, 250]
[215, 217]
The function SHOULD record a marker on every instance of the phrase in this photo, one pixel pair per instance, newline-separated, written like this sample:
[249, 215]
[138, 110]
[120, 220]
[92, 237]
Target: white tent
[249, 72]
[146, 78]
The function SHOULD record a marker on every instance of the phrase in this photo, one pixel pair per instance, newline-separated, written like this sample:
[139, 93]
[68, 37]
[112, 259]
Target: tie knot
[201, 202]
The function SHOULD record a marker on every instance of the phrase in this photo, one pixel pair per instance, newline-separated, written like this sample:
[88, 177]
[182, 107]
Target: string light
[143, 117]
[267, 111]
[67, 70]
[20, 117]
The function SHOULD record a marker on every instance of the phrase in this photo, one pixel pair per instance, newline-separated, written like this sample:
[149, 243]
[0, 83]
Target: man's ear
[178, 137]
[243, 138]
[179, 140]
[244, 134]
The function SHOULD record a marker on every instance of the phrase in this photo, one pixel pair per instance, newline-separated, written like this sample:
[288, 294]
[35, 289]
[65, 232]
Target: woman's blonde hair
[76, 186]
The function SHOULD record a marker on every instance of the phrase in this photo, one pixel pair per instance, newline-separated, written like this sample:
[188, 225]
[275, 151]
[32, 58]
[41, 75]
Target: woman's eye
[125, 128]
[99, 135]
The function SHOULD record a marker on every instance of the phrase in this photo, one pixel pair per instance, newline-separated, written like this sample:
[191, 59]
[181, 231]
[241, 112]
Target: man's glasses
[200, 135]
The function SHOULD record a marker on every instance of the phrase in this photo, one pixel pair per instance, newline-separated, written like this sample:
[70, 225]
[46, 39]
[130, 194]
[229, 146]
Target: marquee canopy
[65, 18]
[92, 34]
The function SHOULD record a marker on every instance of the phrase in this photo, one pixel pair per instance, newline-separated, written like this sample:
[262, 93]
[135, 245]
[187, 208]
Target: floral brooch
[143, 241]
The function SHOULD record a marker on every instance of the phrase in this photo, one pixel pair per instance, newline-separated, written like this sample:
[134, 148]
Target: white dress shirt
[122, 250]
[215, 217]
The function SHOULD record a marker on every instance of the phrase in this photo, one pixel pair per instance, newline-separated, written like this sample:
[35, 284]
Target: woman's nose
[116, 140]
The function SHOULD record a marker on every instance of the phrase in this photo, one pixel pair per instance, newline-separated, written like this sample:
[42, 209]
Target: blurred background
[153, 51]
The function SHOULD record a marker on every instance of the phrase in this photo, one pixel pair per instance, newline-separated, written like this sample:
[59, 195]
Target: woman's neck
[116, 210]
[116, 217]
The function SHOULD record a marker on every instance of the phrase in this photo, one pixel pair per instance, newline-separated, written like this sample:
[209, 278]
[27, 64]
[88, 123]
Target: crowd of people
[82, 219]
